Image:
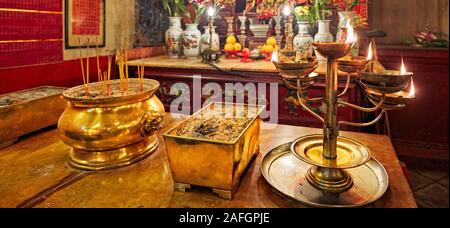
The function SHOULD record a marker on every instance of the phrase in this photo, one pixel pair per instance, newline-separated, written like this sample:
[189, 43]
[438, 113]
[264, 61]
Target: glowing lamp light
[286, 11]
[275, 56]
[403, 68]
[351, 36]
[211, 11]
[370, 53]
[412, 91]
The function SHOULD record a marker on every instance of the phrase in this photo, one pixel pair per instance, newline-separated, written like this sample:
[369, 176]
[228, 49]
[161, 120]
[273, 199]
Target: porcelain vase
[323, 35]
[191, 41]
[303, 40]
[173, 37]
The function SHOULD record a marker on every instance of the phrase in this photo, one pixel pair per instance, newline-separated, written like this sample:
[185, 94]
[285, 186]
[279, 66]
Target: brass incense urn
[112, 131]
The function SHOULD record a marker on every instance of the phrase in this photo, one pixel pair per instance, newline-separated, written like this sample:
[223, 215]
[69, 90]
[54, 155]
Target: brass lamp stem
[331, 130]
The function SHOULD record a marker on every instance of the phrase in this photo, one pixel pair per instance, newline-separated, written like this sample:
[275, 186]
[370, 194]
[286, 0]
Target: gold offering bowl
[292, 71]
[386, 78]
[393, 101]
[331, 49]
[352, 65]
[108, 132]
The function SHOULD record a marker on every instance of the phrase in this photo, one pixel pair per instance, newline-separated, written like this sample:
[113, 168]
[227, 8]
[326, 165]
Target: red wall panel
[66, 74]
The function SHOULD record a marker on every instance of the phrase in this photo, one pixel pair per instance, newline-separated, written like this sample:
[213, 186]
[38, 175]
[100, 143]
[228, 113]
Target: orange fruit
[231, 40]
[271, 41]
[237, 47]
[268, 48]
[228, 47]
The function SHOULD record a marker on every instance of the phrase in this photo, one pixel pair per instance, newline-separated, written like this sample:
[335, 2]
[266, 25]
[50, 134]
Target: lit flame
[370, 53]
[275, 56]
[286, 11]
[403, 69]
[211, 11]
[351, 37]
[412, 91]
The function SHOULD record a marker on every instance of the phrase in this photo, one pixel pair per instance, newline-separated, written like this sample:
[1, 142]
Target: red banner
[44, 5]
[31, 32]
[30, 53]
[86, 17]
[30, 26]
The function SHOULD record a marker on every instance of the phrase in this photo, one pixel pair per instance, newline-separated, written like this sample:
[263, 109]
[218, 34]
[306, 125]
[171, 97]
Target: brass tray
[286, 173]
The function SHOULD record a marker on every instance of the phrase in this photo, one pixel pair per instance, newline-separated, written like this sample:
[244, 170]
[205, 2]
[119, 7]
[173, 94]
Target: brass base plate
[287, 174]
[112, 159]
[350, 154]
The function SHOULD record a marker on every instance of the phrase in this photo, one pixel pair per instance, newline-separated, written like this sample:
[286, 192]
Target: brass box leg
[181, 187]
[223, 193]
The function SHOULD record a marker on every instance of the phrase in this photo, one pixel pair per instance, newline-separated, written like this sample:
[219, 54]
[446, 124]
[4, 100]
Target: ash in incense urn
[111, 131]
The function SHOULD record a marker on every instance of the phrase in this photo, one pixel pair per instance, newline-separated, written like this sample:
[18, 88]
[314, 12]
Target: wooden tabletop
[225, 64]
[37, 165]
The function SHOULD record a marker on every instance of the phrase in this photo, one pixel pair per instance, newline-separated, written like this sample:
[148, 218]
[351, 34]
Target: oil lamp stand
[328, 170]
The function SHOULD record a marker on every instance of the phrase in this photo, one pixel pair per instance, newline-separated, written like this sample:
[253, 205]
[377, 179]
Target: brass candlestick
[336, 171]
[211, 54]
[289, 38]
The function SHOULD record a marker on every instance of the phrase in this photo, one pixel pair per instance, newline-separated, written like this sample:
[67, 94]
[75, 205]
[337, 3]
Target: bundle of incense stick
[85, 77]
[99, 73]
[120, 58]
[122, 62]
[141, 72]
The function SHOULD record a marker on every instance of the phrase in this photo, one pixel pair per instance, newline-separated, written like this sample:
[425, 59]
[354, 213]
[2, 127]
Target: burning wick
[286, 11]
[275, 56]
[403, 68]
[370, 58]
[351, 37]
[211, 12]
[412, 91]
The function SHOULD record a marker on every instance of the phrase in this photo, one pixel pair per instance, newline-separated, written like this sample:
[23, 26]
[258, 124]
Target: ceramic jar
[191, 41]
[303, 40]
[173, 37]
[206, 39]
[323, 35]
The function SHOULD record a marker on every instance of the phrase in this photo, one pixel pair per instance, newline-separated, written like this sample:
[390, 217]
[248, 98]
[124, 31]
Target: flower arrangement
[320, 9]
[347, 5]
[430, 39]
[302, 13]
[226, 2]
[175, 8]
[199, 7]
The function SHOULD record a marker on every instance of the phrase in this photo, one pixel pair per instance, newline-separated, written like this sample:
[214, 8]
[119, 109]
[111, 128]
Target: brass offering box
[213, 163]
[29, 110]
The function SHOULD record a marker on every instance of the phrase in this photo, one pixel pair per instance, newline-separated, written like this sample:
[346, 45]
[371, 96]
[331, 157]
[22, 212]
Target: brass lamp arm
[347, 85]
[299, 87]
[363, 124]
[306, 107]
[378, 106]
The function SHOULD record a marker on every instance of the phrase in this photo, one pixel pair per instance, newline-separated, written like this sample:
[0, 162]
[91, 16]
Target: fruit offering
[268, 48]
[231, 47]
[246, 55]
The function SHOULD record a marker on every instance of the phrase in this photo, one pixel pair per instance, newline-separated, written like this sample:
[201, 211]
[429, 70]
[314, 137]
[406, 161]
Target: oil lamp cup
[108, 132]
[352, 65]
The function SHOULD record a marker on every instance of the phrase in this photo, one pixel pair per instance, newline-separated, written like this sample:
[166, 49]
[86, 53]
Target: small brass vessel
[108, 132]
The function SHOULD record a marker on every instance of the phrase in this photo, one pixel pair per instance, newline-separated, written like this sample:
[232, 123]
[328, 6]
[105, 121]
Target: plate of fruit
[232, 48]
